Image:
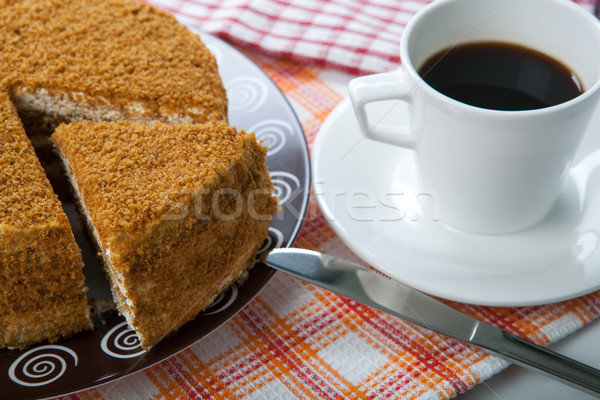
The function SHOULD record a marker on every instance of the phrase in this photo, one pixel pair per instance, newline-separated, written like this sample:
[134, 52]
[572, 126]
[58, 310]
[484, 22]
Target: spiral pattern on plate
[41, 365]
[273, 133]
[286, 185]
[121, 342]
[273, 240]
[222, 301]
[246, 94]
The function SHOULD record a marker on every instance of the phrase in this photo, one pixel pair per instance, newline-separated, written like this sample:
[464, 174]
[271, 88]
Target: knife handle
[530, 355]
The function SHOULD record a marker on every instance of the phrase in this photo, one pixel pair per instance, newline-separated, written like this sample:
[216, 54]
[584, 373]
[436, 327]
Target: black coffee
[500, 76]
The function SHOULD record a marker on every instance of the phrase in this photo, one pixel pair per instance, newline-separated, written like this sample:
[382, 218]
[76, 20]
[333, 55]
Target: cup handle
[385, 86]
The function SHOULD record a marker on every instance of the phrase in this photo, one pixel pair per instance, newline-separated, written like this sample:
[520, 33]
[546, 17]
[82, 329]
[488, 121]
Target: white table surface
[516, 383]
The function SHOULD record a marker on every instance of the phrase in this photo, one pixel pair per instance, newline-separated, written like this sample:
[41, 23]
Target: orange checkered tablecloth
[297, 341]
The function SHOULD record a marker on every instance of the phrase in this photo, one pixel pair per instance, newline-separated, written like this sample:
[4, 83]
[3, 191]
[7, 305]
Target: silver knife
[393, 297]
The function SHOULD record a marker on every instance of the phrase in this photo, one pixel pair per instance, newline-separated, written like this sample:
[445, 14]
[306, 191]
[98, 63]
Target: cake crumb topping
[115, 52]
[26, 195]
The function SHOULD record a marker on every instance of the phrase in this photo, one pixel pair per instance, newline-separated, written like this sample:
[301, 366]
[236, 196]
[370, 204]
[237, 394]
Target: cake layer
[42, 292]
[179, 212]
[69, 60]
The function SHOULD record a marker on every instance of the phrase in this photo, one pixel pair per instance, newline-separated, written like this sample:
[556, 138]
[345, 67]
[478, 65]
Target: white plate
[367, 191]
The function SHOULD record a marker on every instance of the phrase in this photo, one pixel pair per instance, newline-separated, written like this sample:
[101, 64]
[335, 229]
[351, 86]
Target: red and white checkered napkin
[355, 36]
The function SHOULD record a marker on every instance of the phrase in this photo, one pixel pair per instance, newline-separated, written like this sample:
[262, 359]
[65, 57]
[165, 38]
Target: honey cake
[42, 292]
[71, 60]
[179, 212]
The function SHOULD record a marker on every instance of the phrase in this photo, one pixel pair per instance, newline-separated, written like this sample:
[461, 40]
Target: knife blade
[396, 298]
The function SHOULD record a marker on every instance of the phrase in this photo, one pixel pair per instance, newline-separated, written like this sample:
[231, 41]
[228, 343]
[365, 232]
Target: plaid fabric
[355, 36]
[296, 341]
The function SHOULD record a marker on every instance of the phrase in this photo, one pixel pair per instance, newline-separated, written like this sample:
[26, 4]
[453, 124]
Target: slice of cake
[71, 60]
[179, 212]
[42, 292]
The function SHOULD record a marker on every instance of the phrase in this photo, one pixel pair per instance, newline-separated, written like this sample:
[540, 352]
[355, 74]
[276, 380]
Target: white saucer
[366, 190]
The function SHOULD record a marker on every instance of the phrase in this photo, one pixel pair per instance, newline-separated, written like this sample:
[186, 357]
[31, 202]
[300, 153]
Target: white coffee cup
[492, 171]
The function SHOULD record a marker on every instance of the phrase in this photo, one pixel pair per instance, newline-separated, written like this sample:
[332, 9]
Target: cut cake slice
[71, 60]
[179, 212]
[42, 292]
